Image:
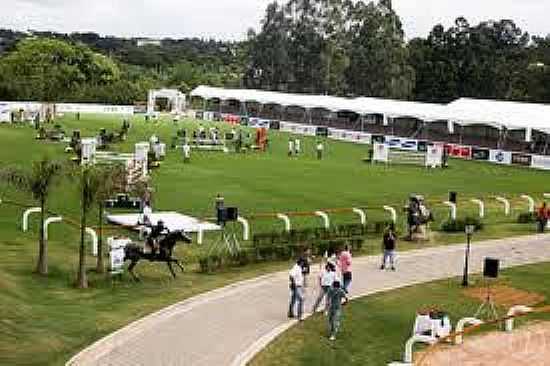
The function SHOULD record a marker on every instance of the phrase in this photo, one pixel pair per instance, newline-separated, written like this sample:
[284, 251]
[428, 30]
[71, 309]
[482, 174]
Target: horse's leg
[169, 263]
[178, 264]
[131, 270]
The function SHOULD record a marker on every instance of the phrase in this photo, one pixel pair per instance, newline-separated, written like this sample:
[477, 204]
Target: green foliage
[459, 225]
[527, 218]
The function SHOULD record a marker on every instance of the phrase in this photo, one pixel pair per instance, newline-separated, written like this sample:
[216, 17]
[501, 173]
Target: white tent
[464, 111]
[510, 115]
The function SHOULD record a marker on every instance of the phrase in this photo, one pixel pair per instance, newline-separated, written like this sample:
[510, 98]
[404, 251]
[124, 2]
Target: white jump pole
[93, 235]
[49, 221]
[408, 359]
[546, 195]
[324, 216]
[515, 310]
[362, 215]
[460, 328]
[26, 215]
[246, 227]
[452, 207]
[392, 212]
[481, 205]
[506, 204]
[200, 236]
[530, 202]
[286, 220]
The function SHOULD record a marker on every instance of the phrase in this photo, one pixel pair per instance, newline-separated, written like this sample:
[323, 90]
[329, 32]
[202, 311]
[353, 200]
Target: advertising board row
[403, 143]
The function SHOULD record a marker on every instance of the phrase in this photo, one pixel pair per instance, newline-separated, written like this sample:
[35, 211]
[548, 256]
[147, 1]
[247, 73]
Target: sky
[230, 19]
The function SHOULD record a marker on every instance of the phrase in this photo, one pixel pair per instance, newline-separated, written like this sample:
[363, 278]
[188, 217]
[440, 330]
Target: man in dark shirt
[389, 241]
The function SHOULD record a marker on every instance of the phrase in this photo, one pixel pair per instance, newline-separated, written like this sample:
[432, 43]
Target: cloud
[230, 19]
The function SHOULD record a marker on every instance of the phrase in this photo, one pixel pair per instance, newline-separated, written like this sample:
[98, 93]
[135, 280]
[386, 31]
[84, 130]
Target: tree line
[336, 47]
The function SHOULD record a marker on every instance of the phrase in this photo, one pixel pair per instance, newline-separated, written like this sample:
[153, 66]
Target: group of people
[334, 282]
[295, 148]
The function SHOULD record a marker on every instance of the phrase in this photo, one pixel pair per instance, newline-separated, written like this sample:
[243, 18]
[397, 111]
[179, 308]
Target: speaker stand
[488, 306]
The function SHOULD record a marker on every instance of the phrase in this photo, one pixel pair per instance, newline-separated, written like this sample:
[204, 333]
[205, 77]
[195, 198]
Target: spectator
[326, 279]
[389, 241]
[542, 217]
[296, 291]
[345, 267]
[290, 147]
[335, 296]
[320, 149]
[305, 262]
[297, 146]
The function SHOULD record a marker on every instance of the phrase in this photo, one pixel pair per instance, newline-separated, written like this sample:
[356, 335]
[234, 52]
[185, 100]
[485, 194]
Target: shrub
[459, 225]
[527, 218]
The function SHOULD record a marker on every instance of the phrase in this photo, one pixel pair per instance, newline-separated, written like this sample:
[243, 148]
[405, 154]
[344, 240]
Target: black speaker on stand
[452, 197]
[491, 268]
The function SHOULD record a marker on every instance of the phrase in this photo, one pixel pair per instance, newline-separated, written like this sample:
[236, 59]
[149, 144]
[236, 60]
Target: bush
[527, 218]
[459, 225]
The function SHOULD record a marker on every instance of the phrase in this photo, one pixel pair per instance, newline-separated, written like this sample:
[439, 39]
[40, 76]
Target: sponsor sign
[521, 159]
[94, 108]
[500, 157]
[540, 162]
[402, 143]
[480, 154]
[458, 151]
[321, 131]
[259, 123]
[422, 146]
[274, 125]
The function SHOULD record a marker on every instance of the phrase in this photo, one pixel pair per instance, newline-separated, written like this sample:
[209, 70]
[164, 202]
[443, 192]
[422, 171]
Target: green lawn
[45, 320]
[375, 328]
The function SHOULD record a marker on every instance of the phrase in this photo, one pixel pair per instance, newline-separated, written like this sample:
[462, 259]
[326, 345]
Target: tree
[110, 181]
[38, 182]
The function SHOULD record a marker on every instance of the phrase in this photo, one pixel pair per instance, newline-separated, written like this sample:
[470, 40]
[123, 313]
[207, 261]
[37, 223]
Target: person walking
[290, 147]
[388, 247]
[320, 149]
[305, 262]
[335, 296]
[542, 217]
[326, 279]
[296, 286]
[344, 261]
[297, 146]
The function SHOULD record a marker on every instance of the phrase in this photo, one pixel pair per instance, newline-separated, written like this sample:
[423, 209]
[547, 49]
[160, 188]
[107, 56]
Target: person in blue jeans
[335, 296]
[388, 245]
[327, 278]
[296, 286]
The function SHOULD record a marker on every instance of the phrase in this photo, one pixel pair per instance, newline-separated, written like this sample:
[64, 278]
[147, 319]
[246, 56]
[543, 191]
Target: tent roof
[464, 111]
[512, 115]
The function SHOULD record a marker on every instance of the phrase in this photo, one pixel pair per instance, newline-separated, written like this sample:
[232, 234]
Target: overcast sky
[229, 19]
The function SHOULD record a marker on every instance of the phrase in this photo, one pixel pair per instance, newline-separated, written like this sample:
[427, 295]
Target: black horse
[135, 253]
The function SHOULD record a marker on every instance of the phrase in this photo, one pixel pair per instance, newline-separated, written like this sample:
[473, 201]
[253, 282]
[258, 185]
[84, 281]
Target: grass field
[375, 328]
[44, 320]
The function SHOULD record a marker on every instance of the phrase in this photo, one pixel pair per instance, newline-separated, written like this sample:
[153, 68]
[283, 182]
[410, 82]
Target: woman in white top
[326, 279]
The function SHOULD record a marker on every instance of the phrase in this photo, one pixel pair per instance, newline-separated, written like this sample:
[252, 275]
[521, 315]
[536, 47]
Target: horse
[417, 216]
[134, 253]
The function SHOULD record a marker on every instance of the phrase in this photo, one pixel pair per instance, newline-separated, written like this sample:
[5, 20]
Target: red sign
[458, 151]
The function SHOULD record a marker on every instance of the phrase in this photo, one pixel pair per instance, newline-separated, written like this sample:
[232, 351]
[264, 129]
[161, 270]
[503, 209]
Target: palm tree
[38, 182]
[90, 183]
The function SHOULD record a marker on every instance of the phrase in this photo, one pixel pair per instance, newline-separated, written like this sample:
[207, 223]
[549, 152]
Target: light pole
[469, 232]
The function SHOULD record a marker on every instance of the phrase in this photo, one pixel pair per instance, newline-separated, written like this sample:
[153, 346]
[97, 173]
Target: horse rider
[156, 236]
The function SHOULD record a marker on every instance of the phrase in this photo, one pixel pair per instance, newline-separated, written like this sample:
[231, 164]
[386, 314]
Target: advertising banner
[521, 159]
[94, 108]
[500, 157]
[259, 123]
[381, 153]
[402, 143]
[540, 162]
[458, 151]
[480, 154]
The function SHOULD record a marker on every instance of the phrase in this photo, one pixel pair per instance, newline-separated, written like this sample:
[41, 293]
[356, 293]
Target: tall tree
[38, 182]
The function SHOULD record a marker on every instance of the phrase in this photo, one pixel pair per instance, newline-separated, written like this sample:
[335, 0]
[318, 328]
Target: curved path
[230, 325]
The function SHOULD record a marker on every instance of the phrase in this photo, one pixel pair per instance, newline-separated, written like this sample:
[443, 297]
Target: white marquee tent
[464, 111]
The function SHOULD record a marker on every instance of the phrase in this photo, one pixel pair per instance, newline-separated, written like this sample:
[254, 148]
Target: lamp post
[469, 232]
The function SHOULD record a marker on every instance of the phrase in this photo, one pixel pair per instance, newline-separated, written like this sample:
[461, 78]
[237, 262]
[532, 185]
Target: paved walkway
[228, 326]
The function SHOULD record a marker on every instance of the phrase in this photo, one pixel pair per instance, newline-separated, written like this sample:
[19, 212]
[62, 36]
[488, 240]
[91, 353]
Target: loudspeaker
[452, 197]
[491, 268]
[232, 214]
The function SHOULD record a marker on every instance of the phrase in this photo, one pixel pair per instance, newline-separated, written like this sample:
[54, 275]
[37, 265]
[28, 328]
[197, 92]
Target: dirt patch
[525, 346]
[505, 296]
